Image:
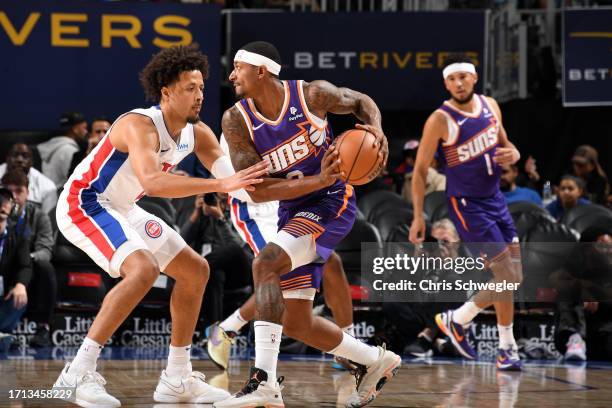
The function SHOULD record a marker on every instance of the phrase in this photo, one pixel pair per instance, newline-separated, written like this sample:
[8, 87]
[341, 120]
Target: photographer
[33, 224]
[208, 232]
[15, 267]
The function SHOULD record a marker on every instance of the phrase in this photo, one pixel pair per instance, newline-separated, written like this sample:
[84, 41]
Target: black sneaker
[42, 337]
[445, 347]
[421, 348]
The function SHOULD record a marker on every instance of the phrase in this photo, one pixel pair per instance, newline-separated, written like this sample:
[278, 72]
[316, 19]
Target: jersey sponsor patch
[153, 229]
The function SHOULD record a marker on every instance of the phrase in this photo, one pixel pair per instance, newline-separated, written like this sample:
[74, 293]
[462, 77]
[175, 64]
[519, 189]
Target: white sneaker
[88, 389]
[371, 379]
[192, 389]
[576, 348]
[257, 392]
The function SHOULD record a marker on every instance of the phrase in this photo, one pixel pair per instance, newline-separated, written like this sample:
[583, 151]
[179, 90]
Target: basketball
[358, 157]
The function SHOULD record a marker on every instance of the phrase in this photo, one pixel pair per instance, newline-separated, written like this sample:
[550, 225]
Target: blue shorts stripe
[103, 219]
[251, 225]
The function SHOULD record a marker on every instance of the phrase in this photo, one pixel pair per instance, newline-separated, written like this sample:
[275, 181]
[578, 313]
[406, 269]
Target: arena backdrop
[395, 58]
[587, 57]
[85, 56]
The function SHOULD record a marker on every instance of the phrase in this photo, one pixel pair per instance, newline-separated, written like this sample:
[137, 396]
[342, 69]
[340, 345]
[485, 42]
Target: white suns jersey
[106, 174]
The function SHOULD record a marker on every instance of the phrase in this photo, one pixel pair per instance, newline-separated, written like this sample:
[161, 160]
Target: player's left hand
[506, 155]
[380, 143]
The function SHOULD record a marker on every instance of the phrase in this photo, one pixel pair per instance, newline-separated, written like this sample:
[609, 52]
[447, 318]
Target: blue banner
[587, 57]
[86, 56]
[396, 58]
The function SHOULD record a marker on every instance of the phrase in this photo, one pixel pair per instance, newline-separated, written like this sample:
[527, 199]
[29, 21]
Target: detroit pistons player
[97, 213]
[468, 133]
[284, 122]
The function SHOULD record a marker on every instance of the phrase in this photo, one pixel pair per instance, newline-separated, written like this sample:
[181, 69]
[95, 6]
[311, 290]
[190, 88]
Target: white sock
[267, 344]
[355, 350]
[506, 336]
[86, 357]
[179, 361]
[350, 330]
[466, 313]
[233, 323]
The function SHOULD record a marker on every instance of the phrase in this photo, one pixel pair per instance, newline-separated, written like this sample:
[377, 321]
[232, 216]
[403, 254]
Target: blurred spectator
[512, 192]
[434, 181]
[530, 177]
[56, 153]
[418, 318]
[409, 156]
[34, 225]
[570, 195]
[208, 232]
[99, 127]
[15, 268]
[585, 164]
[41, 189]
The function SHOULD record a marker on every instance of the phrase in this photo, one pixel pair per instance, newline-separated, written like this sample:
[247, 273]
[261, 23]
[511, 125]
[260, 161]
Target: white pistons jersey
[96, 210]
[107, 175]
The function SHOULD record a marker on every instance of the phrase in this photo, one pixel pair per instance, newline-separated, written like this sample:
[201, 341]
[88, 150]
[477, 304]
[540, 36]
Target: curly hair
[166, 66]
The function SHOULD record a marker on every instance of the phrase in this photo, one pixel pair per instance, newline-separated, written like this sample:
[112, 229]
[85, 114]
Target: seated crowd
[32, 175]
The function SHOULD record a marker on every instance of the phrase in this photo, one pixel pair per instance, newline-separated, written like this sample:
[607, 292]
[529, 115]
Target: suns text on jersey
[479, 144]
[289, 153]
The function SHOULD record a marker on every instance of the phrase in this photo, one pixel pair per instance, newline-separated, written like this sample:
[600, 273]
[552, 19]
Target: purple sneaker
[456, 333]
[509, 360]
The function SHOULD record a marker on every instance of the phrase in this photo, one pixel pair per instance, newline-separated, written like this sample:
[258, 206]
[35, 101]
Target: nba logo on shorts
[153, 229]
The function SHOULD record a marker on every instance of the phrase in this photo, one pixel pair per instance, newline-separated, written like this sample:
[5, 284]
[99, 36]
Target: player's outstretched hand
[417, 230]
[245, 178]
[380, 143]
[330, 166]
[506, 155]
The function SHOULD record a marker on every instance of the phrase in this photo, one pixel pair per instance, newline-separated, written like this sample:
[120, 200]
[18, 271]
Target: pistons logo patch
[153, 229]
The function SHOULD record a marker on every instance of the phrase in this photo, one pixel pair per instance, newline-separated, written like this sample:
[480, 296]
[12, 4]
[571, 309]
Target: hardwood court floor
[315, 384]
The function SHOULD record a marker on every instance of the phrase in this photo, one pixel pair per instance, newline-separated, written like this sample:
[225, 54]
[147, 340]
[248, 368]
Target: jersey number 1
[489, 165]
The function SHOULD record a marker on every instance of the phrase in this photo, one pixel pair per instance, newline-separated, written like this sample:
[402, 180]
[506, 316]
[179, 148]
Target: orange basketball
[358, 157]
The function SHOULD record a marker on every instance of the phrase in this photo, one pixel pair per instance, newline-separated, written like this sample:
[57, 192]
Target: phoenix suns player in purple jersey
[468, 133]
[284, 122]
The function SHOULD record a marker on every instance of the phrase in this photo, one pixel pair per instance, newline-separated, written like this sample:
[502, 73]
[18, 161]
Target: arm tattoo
[242, 150]
[323, 97]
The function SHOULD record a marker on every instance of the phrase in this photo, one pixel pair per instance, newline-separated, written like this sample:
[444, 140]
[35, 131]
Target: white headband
[459, 67]
[258, 60]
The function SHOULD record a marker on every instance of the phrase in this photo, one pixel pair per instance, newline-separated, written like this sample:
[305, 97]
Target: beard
[464, 100]
[193, 119]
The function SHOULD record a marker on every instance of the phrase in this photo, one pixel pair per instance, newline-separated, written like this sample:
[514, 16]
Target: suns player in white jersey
[97, 213]
[257, 224]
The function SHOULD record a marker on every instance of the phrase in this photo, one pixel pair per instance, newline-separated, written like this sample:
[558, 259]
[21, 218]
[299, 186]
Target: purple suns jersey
[468, 152]
[294, 143]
